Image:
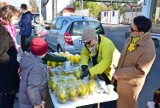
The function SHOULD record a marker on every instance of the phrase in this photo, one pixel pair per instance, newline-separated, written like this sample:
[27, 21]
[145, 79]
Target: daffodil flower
[131, 47]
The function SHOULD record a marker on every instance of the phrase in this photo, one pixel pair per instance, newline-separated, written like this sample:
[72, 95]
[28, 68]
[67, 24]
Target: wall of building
[128, 16]
[110, 17]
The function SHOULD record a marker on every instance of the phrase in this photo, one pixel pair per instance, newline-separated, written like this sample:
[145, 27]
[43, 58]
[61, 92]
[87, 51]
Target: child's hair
[24, 6]
[156, 98]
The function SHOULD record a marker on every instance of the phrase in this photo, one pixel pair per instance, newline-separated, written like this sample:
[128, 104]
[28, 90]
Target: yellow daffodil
[133, 43]
[131, 47]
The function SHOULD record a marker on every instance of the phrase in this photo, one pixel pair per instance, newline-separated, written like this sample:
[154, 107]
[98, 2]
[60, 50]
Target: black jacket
[9, 78]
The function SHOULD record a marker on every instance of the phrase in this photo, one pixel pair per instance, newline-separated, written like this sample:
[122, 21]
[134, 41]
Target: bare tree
[34, 6]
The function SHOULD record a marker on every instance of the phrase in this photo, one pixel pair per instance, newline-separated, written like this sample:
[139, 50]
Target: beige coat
[133, 68]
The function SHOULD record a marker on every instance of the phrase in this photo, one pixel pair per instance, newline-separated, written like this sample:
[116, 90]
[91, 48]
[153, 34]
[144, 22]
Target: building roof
[68, 10]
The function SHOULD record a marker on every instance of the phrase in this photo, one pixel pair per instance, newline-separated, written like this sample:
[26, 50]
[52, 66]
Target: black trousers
[7, 101]
[23, 44]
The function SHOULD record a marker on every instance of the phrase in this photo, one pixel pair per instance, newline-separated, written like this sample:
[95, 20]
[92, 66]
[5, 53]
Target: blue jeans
[111, 104]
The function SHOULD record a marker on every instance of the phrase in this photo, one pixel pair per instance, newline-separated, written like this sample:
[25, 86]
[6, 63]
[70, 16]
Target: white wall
[129, 16]
[157, 15]
[61, 4]
[49, 10]
[146, 8]
[110, 17]
[84, 12]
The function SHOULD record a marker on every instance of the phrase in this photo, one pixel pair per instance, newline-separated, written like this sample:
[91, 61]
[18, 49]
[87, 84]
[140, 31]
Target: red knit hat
[38, 46]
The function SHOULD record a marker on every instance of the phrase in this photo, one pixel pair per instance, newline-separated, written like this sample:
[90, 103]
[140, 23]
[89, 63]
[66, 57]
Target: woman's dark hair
[142, 23]
[24, 6]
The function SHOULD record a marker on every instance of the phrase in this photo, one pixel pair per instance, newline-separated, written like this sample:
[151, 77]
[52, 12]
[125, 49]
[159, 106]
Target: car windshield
[78, 27]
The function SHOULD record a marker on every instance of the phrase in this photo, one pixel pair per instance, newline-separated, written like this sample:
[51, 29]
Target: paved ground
[116, 34]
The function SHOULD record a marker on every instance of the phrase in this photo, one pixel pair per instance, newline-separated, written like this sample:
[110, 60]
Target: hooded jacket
[33, 84]
[25, 24]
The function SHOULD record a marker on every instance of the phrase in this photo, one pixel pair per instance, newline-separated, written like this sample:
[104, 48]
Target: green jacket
[106, 51]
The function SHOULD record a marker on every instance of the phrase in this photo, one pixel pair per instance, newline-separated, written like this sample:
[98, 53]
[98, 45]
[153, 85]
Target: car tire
[59, 49]
[36, 20]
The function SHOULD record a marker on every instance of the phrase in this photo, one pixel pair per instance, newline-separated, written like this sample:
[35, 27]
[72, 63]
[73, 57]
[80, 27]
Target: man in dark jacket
[25, 26]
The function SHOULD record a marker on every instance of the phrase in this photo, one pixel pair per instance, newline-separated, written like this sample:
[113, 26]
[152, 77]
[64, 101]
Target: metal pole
[82, 4]
[110, 11]
[40, 14]
[136, 7]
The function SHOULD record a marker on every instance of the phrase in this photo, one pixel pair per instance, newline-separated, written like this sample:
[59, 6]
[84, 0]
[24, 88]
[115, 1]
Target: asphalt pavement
[117, 34]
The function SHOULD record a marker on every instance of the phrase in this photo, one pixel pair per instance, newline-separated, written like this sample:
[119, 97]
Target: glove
[85, 74]
[84, 68]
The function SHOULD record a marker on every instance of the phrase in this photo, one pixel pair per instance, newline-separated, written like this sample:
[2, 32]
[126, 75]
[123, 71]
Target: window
[54, 21]
[64, 23]
[78, 27]
[59, 23]
[113, 13]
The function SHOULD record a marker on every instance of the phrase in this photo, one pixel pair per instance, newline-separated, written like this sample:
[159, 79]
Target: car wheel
[36, 20]
[59, 49]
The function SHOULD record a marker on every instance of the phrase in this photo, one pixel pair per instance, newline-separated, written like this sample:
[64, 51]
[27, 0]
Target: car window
[64, 23]
[54, 21]
[78, 27]
[97, 26]
[59, 23]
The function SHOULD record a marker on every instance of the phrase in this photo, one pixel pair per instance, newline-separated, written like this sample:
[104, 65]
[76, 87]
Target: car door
[59, 33]
[54, 31]
[51, 34]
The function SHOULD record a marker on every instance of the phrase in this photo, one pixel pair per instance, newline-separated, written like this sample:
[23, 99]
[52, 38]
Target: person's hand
[39, 106]
[84, 68]
[85, 74]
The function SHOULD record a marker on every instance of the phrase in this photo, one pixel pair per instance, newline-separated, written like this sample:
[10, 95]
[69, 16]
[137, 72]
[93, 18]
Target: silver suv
[65, 32]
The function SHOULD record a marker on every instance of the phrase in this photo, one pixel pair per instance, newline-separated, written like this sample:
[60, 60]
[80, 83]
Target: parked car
[65, 32]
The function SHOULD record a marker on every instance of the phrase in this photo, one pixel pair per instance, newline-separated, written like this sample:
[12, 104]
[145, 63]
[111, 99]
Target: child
[39, 32]
[33, 85]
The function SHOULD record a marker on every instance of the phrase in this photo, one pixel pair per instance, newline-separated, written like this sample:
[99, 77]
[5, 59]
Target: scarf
[134, 41]
[10, 28]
